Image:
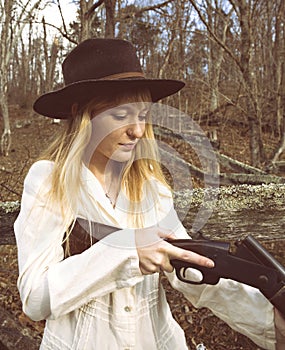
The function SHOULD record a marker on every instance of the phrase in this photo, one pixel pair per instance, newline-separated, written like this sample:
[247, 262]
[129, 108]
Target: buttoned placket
[125, 299]
[129, 309]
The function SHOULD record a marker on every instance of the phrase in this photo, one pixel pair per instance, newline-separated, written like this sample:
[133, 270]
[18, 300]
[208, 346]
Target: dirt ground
[31, 134]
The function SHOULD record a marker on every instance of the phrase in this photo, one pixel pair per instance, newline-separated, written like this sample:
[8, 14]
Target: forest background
[231, 55]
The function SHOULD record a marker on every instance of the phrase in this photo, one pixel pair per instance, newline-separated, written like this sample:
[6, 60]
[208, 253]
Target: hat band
[124, 75]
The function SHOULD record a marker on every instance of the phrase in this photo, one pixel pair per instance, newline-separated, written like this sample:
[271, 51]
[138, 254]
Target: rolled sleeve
[242, 307]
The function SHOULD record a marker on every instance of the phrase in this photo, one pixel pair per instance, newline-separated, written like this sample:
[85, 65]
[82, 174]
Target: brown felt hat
[96, 67]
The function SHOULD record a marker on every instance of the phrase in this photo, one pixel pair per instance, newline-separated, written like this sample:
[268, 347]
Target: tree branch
[65, 35]
[93, 8]
[213, 35]
[61, 15]
[147, 8]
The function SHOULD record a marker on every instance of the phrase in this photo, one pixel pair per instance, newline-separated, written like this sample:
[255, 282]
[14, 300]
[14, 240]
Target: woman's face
[116, 132]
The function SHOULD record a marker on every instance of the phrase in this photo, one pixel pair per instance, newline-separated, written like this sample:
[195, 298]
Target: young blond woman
[104, 168]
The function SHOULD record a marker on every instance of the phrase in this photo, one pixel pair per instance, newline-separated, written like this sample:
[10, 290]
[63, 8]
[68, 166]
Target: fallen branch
[224, 178]
[198, 140]
[10, 189]
[235, 165]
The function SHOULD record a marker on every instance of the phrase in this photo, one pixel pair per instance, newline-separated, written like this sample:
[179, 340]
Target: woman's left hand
[279, 330]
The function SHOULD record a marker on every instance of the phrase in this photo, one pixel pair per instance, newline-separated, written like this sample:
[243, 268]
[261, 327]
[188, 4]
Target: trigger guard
[184, 279]
[211, 279]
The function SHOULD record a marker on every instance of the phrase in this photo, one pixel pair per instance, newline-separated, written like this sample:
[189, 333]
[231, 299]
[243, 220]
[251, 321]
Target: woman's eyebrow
[120, 109]
[129, 109]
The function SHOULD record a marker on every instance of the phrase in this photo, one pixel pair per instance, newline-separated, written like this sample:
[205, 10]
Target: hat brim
[57, 104]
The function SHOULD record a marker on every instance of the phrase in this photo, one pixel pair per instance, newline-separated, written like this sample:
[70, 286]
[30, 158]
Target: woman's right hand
[155, 253]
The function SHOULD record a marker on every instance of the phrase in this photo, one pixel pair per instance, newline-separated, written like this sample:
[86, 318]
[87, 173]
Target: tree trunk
[11, 27]
[4, 71]
[219, 25]
[280, 69]
[85, 20]
[6, 139]
[252, 104]
[280, 83]
[50, 54]
[110, 6]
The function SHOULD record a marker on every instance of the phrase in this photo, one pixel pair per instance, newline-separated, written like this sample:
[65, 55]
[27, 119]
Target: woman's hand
[155, 253]
[279, 330]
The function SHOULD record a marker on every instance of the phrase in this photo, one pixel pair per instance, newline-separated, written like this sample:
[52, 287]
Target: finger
[152, 235]
[166, 234]
[167, 267]
[150, 271]
[145, 271]
[188, 256]
[149, 268]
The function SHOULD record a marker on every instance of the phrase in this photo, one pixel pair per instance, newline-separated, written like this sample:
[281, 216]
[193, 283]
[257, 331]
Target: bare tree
[243, 57]
[113, 13]
[232, 52]
[219, 22]
[50, 56]
[85, 17]
[6, 13]
[279, 58]
[14, 19]
[279, 65]
[246, 19]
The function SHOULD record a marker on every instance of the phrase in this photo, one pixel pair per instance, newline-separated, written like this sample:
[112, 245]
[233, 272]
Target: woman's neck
[109, 176]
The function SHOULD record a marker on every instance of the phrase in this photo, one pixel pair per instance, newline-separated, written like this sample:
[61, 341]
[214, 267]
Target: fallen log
[230, 213]
[222, 213]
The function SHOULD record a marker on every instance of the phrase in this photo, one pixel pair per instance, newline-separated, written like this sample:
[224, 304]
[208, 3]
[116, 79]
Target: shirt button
[127, 308]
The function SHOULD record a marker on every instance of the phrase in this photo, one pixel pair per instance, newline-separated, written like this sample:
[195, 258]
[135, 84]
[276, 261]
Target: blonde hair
[67, 153]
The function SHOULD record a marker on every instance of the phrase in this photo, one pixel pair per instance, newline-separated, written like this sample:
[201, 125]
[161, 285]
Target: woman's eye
[119, 116]
[142, 117]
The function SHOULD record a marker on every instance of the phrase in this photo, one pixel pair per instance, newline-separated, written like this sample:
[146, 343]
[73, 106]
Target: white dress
[99, 300]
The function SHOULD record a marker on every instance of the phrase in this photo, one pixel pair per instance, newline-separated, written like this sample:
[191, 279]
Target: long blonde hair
[67, 153]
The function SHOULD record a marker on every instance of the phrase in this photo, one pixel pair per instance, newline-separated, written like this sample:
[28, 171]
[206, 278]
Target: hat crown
[99, 59]
[97, 67]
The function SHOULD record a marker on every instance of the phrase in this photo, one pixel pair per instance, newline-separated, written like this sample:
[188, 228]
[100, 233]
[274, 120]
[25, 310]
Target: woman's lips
[128, 146]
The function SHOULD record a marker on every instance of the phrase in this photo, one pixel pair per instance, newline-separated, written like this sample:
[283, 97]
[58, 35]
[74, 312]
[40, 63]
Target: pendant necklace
[112, 184]
[110, 200]
[107, 194]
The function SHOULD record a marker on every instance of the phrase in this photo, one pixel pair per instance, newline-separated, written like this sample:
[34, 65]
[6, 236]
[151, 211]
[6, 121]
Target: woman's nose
[136, 130]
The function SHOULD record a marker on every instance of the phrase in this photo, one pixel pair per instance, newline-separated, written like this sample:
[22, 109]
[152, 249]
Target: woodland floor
[31, 134]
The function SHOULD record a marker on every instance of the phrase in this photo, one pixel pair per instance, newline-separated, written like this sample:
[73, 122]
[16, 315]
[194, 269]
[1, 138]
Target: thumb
[166, 234]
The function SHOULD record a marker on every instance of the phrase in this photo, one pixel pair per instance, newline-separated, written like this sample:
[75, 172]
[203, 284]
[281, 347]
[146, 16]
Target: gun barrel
[263, 255]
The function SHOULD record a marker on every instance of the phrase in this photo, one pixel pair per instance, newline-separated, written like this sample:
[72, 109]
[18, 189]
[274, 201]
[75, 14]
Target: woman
[104, 168]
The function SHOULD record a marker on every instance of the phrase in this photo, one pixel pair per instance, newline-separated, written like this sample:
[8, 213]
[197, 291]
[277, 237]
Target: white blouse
[99, 299]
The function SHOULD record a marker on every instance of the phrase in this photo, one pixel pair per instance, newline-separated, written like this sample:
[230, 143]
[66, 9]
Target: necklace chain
[110, 200]
[107, 194]
[112, 188]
